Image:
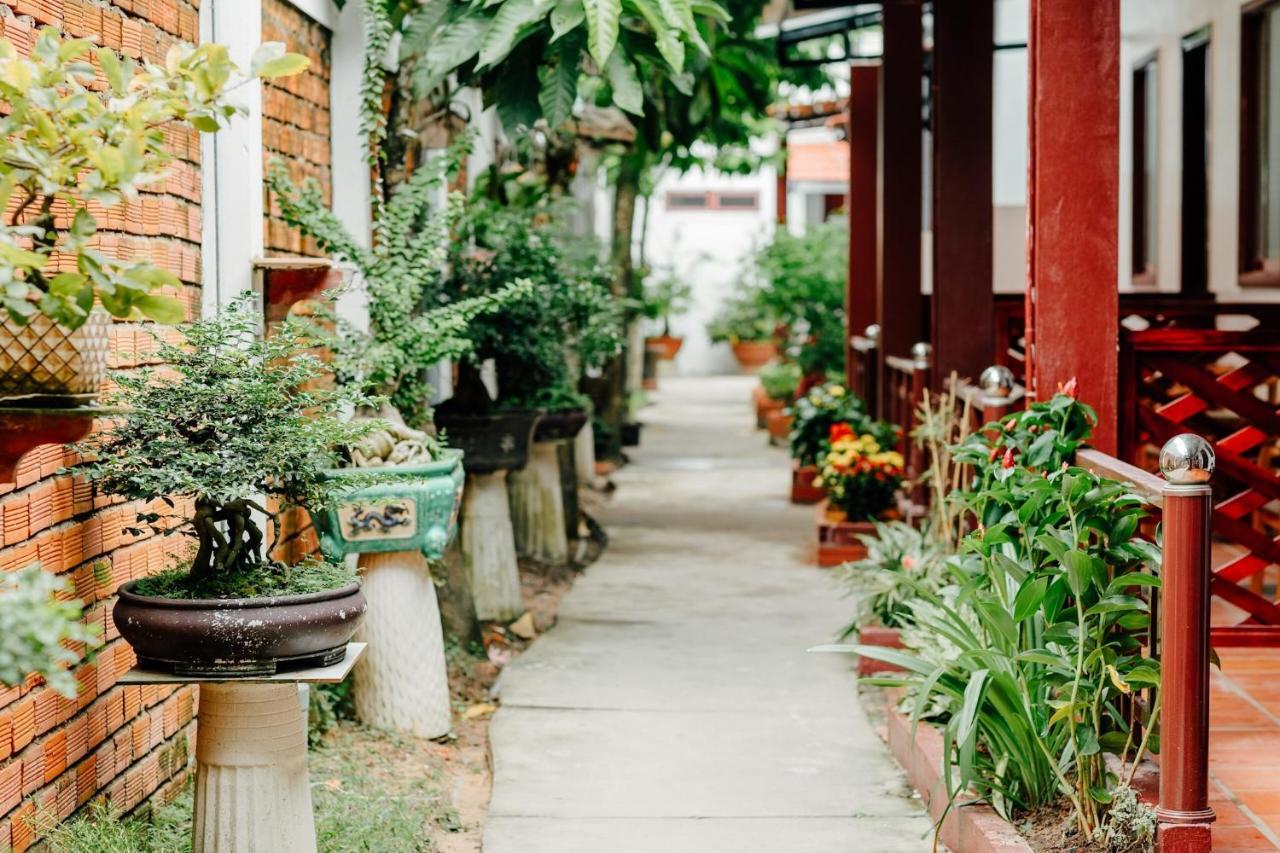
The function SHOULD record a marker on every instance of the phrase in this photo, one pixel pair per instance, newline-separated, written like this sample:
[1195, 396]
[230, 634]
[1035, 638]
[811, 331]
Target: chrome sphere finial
[922, 351]
[997, 381]
[1187, 459]
[872, 332]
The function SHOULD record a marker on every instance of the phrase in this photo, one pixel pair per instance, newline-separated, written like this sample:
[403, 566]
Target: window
[1195, 162]
[1260, 145]
[713, 200]
[1145, 167]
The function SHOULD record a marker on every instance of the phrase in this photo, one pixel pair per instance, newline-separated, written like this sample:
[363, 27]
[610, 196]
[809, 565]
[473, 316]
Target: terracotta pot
[664, 347]
[498, 441]
[753, 355]
[779, 424]
[803, 491]
[415, 508]
[561, 425]
[239, 636]
[764, 405]
[42, 359]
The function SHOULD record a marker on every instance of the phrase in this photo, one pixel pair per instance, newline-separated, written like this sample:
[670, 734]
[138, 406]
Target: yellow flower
[836, 390]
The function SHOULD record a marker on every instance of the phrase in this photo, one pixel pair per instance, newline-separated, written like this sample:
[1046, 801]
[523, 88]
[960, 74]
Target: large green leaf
[567, 15]
[500, 38]
[560, 86]
[628, 94]
[602, 28]
[455, 44]
[667, 39]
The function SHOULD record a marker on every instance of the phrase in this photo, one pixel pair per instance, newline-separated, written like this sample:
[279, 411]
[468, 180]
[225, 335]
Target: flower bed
[838, 537]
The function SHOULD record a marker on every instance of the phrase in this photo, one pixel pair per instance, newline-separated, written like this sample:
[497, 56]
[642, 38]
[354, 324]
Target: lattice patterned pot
[414, 509]
[498, 441]
[44, 359]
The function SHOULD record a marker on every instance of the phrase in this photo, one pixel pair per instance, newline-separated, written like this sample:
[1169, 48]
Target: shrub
[38, 628]
[65, 146]
[821, 408]
[780, 381]
[899, 557]
[802, 282]
[232, 417]
[742, 319]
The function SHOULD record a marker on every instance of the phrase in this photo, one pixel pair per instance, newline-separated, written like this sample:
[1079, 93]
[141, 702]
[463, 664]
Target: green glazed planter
[416, 509]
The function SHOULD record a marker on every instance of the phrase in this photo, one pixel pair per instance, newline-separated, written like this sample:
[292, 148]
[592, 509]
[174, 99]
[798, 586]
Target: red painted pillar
[1072, 197]
[862, 204]
[900, 309]
[963, 309]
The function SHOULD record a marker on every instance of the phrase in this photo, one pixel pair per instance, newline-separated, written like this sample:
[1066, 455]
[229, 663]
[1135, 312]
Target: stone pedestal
[252, 790]
[537, 506]
[402, 683]
[584, 448]
[489, 547]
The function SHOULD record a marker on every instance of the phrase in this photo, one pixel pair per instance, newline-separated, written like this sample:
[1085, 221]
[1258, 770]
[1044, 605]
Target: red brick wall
[124, 743]
[295, 118]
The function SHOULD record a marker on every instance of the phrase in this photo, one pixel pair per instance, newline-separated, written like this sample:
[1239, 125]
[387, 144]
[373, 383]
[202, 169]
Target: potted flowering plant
[68, 151]
[814, 414]
[750, 330]
[227, 422]
[860, 479]
[665, 296]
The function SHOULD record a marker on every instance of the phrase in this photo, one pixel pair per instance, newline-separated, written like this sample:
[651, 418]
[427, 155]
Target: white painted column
[489, 547]
[537, 506]
[401, 681]
[584, 448]
[252, 790]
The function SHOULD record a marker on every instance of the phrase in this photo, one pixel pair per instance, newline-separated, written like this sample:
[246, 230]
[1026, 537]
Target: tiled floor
[1244, 750]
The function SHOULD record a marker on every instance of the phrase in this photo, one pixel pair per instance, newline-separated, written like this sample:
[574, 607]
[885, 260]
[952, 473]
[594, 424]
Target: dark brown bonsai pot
[561, 425]
[204, 637]
[492, 441]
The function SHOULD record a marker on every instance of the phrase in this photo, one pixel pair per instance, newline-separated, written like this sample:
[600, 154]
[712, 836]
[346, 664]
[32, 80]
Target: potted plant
[69, 150]
[749, 330]
[815, 413]
[665, 296]
[860, 478]
[227, 422]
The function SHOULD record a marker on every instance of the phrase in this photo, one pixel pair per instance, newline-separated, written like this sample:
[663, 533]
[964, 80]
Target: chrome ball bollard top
[922, 351]
[1187, 459]
[997, 381]
[872, 332]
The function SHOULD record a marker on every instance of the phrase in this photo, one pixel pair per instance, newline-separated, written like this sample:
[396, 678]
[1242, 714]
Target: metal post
[1184, 815]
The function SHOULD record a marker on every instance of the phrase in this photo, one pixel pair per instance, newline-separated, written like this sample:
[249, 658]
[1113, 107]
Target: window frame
[1144, 188]
[1253, 269]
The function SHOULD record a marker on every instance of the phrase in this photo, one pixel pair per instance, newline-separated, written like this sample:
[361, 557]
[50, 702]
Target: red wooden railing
[1223, 385]
[906, 384]
[864, 367]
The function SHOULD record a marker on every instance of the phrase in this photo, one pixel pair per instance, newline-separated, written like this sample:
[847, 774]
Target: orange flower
[839, 431]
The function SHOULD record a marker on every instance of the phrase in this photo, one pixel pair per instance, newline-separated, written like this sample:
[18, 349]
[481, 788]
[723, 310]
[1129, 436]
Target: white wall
[710, 249]
[1009, 149]
[1156, 27]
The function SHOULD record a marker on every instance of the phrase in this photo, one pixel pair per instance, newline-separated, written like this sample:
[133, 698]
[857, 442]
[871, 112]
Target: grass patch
[372, 792]
[311, 575]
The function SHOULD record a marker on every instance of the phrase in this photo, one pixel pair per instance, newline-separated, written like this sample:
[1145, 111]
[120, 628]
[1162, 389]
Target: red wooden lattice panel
[1224, 386]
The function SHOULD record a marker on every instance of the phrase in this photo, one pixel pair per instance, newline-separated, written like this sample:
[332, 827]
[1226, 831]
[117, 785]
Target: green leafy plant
[571, 321]
[665, 296]
[404, 269]
[39, 625]
[742, 318]
[899, 557]
[801, 282]
[228, 420]
[780, 381]
[1042, 633]
[820, 409]
[65, 146]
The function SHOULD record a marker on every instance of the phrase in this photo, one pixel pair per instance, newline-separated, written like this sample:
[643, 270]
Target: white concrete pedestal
[584, 447]
[489, 547]
[402, 683]
[252, 790]
[537, 506]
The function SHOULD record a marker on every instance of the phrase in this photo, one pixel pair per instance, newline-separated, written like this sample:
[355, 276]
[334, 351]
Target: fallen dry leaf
[523, 627]
[480, 709]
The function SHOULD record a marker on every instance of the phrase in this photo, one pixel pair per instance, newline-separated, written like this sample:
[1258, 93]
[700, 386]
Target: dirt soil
[467, 775]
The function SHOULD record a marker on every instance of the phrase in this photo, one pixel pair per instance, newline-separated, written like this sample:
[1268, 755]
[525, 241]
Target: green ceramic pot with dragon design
[411, 508]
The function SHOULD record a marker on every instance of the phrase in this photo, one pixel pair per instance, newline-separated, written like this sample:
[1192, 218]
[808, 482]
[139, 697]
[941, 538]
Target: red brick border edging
[968, 829]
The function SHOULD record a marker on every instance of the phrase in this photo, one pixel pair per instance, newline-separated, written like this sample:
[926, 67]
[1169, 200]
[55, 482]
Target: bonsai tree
[65, 146]
[227, 421]
[571, 321]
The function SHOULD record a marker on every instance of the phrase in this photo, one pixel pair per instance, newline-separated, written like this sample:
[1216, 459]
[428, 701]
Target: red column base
[1184, 832]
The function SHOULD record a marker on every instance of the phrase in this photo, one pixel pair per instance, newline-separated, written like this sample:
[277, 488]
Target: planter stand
[537, 506]
[403, 682]
[396, 527]
[252, 788]
[838, 540]
[489, 547]
[584, 448]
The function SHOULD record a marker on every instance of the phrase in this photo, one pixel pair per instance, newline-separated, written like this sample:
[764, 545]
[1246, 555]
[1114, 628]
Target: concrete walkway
[673, 708]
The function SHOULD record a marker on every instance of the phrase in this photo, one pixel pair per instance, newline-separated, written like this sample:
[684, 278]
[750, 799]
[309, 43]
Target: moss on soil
[274, 579]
